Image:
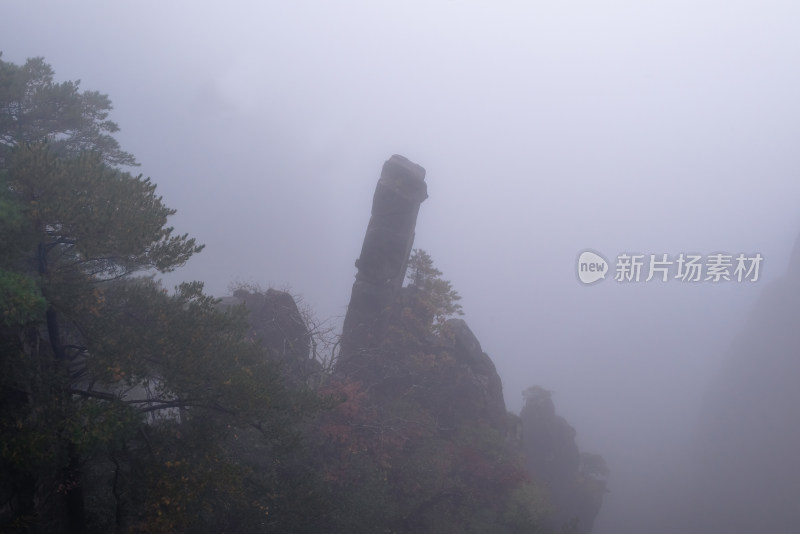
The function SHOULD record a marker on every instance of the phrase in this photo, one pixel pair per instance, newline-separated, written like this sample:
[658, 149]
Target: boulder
[552, 457]
[276, 321]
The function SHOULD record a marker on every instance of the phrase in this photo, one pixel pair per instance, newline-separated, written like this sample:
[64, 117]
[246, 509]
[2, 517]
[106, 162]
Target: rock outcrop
[276, 321]
[474, 389]
[747, 473]
[393, 345]
[384, 257]
[449, 374]
[576, 486]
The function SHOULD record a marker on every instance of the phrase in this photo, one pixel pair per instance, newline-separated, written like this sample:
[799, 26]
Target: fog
[546, 128]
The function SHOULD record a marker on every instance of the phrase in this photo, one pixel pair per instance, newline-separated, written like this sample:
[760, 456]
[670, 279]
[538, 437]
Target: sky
[546, 128]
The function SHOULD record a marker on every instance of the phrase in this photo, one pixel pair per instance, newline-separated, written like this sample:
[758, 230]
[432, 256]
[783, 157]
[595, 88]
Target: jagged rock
[449, 375]
[391, 345]
[384, 256]
[276, 321]
[470, 387]
[476, 387]
[552, 457]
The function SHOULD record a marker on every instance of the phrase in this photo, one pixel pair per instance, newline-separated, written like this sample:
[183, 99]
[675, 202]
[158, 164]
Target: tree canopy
[104, 371]
[431, 297]
[34, 108]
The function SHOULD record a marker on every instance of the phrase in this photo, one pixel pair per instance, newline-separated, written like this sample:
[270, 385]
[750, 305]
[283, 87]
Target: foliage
[408, 453]
[124, 407]
[397, 471]
[92, 220]
[34, 108]
[434, 299]
[183, 366]
[21, 301]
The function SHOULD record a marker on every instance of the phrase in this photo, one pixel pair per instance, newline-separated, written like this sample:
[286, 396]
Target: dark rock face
[384, 256]
[478, 390]
[748, 472]
[276, 321]
[390, 345]
[552, 456]
[449, 375]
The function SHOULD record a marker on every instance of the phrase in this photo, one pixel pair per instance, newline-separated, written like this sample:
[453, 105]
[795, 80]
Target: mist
[545, 129]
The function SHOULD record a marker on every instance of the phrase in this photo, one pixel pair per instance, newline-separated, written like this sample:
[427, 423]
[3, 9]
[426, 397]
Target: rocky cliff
[276, 321]
[575, 481]
[748, 476]
[397, 355]
[450, 374]
[383, 260]
[388, 343]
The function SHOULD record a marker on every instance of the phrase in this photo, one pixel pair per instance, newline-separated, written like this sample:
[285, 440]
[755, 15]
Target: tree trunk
[71, 483]
[73, 498]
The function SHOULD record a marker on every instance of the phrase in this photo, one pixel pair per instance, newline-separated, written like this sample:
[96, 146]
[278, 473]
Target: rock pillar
[384, 256]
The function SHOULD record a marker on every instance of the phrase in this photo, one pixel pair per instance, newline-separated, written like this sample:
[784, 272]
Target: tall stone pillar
[384, 257]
